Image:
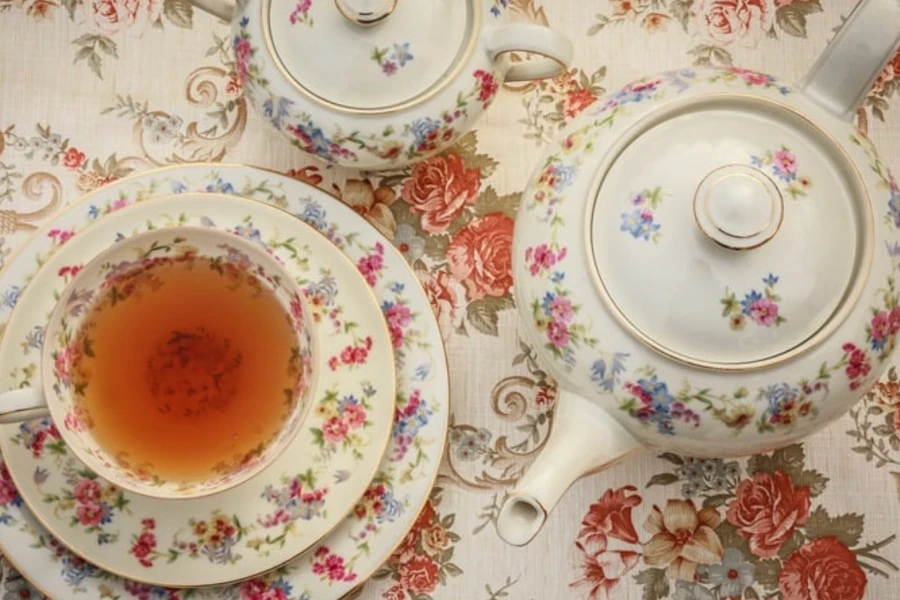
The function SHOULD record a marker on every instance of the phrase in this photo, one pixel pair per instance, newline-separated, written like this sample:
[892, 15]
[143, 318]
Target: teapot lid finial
[738, 207]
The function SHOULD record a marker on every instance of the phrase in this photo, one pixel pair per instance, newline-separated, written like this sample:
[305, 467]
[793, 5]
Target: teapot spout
[584, 439]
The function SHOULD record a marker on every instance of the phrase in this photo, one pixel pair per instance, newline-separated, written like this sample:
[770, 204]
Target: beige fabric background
[178, 71]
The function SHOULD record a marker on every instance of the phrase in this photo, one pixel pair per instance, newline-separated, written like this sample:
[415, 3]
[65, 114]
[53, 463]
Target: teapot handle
[554, 48]
[223, 9]
[843, 75]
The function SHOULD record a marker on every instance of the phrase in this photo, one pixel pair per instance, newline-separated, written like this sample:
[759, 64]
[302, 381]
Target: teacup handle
[22, 405]
[554, 48]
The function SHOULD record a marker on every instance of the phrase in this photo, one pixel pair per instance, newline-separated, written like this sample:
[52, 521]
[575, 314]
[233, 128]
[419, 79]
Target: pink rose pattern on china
[9, 495]
[331, 567]
[299, 499]
[370, 266]
[214, 539]
[350, 356]
[40, 436]
[344, 417]
[758, 307]
[92, 503]
[781, 164]
[300, 14]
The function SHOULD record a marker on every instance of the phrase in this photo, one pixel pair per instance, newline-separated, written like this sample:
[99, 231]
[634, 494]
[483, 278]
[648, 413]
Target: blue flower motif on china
[640, 221]
[651, 402]
[277, 110]
[10, 297]
[639, 224]
[408, 420]
[423, 130]
[221, 186]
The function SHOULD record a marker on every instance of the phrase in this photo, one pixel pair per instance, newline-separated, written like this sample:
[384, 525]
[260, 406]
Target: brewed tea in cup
[177, 363]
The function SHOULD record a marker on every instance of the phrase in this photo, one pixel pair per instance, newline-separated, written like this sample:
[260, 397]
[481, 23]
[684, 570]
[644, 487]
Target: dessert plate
[365, 539]
[274, 516]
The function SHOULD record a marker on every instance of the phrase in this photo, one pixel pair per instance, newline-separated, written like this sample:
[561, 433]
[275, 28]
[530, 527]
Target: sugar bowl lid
[370, 56]
[731, 233]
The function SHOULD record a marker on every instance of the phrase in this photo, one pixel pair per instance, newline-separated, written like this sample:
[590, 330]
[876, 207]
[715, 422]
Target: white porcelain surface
[382, 94]
[734, 286]
[374, 67]
[729, 177]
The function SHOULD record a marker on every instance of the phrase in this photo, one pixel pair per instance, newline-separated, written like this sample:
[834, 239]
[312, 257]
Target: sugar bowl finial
[366, 12]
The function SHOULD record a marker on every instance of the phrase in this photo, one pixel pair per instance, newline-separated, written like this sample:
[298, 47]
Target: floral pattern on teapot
[391, 61]
[644, 395]
[782, 163]
[414, 139]
[640, 221]
[300, 14]
[759, 307]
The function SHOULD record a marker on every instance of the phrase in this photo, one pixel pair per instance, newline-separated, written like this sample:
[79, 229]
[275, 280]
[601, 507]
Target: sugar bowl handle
[22, 405]
[223, 9]
[554, 49]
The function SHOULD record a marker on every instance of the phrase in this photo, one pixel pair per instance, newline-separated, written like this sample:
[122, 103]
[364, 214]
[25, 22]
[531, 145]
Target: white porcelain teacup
[191, 377]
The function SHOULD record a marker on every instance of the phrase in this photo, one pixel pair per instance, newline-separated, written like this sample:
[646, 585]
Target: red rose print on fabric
[774, 541]
[480, 256]
[767, 509]
[439, 189]
[423, 561]
[823, 569]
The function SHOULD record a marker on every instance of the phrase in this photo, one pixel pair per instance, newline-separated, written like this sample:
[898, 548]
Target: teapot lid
[370, 56]
[730, 233]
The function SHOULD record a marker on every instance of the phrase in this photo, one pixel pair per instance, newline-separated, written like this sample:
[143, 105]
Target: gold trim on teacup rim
[131, 178]
[393, 396]
[462, 59]
[839, 314]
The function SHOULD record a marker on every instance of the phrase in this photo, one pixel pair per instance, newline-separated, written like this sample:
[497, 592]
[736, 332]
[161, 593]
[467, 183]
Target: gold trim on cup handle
[553, 48]
[17, 406]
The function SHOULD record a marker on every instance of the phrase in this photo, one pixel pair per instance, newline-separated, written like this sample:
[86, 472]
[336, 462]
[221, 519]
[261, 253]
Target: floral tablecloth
[91, 90]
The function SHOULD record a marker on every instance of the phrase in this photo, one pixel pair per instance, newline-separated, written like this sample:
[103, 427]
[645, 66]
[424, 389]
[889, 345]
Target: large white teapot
[376, 84]
[708, 262]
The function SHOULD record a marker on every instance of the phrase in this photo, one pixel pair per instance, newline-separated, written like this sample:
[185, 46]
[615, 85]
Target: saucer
[276, 515]
[366, 538]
